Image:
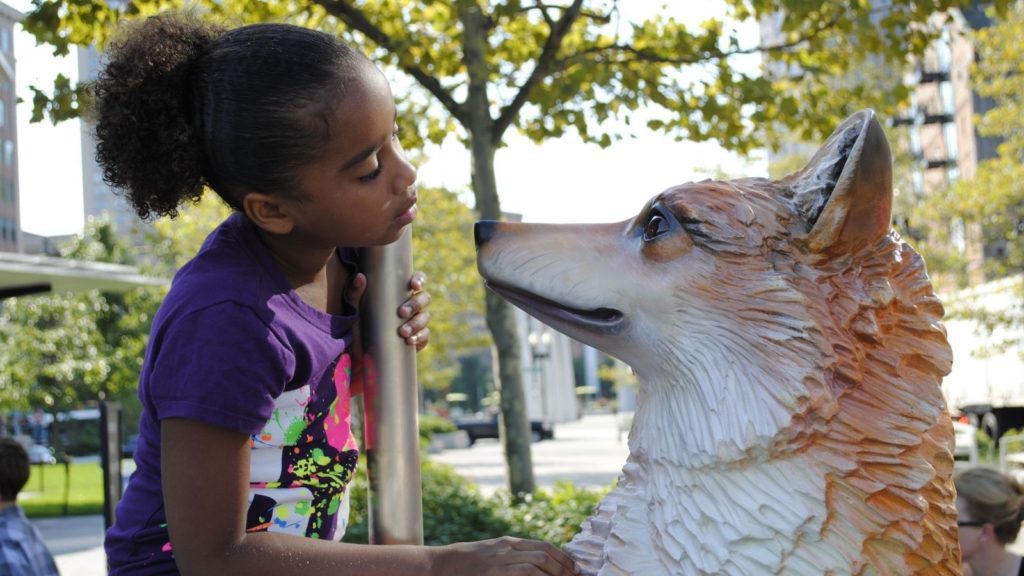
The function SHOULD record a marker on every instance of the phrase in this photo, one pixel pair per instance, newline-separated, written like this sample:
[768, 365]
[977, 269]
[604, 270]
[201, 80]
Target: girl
[990, 506]
[245, 449]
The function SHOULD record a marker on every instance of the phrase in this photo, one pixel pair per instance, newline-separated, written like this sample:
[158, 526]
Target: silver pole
[390, 400]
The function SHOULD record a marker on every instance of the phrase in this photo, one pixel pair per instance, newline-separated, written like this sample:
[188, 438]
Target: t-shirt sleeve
[221, 365]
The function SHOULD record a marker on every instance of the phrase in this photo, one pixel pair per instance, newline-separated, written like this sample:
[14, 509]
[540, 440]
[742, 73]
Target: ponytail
[146, 137]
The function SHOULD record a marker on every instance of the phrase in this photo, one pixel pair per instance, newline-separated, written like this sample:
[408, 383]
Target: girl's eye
[372, 175]
[656, 226]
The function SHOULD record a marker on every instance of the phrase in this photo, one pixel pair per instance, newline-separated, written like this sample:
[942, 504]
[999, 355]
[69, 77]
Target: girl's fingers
[419, 339]
[545, 556]
[418, 281]
[416, 303]
[415, 324]
[355, 290]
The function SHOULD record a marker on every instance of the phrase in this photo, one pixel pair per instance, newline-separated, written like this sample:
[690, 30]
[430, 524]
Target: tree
[63, 350]
[443, 249]
[996, 196]
[545, 68]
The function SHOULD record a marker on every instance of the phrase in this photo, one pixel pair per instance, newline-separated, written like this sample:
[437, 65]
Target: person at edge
[22, 549]
[245, 447]
[990, 507]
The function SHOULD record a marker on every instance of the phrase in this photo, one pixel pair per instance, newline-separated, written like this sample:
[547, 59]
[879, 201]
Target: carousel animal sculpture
[789, 351]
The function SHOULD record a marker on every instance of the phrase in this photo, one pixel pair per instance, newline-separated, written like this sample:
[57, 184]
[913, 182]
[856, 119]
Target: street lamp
[540, 343]
[540, 349]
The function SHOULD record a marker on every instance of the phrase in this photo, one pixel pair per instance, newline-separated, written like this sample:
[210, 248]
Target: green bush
[430, 425]
[554, 516]
[986, 446]
[455, 511]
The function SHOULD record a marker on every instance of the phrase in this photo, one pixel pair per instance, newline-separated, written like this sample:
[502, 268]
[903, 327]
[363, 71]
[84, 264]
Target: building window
[8, 153]
[3, 113]
[5, 40]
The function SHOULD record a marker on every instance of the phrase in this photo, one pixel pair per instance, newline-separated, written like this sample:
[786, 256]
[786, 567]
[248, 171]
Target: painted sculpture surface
[789, 351]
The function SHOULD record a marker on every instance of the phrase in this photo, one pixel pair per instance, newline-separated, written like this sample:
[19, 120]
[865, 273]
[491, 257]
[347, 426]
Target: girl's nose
[407, 176]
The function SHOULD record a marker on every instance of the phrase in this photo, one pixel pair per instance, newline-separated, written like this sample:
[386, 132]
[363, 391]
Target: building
[942, 136]
[937, 132]
[10, 221]
[99, 199]
[29, 263]
[546, 362]
[43, 245]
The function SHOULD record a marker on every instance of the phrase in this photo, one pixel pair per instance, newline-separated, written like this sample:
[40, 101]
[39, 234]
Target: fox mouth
[603, 320]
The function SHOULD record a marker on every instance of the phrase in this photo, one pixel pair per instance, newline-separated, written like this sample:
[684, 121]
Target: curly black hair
[180, 105]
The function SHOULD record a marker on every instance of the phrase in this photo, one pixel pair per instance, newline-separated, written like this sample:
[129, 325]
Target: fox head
[763, 314]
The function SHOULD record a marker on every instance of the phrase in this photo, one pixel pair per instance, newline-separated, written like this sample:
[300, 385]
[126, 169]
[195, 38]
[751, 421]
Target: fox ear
[845, 193]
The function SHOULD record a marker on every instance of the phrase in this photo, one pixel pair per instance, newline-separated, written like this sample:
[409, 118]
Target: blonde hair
[992, 497]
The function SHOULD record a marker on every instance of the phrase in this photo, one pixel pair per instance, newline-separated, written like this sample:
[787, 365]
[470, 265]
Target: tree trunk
[515, 428]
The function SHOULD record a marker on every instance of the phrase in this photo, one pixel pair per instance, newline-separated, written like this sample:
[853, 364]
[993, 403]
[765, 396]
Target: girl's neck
[301, 264]
[314, 273]
[997, 562]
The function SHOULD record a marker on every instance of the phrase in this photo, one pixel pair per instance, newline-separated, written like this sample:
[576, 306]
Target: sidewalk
[588, 452]
[77, 544]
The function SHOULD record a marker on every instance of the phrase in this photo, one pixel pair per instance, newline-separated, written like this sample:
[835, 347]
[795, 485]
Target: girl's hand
[502, 556]
[414, 310]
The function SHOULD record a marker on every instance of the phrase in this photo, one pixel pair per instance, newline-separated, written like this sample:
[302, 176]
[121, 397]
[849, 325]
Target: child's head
[181, 105]
[987, 496]
[14, 469]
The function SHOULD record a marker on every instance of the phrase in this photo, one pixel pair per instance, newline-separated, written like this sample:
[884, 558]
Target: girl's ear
[267, 212]
[989, 530]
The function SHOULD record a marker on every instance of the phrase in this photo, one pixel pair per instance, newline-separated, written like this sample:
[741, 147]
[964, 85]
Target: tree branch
[545, 64]
[543, 7]
[640, 55]
[357, 20]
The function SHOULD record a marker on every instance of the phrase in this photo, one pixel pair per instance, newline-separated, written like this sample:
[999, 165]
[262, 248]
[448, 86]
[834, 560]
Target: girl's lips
[406, 218]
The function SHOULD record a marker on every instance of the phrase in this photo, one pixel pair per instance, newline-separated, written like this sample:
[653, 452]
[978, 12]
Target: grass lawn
[44, 495]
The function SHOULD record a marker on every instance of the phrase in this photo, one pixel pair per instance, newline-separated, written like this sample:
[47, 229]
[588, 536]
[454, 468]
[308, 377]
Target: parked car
[128, 446]
[479, 426]
[39, 454]
[966, 448]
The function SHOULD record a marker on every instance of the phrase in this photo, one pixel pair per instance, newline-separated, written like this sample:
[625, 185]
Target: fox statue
[789, 349]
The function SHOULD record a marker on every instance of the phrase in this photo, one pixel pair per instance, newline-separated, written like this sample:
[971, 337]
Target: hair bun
[146, 139]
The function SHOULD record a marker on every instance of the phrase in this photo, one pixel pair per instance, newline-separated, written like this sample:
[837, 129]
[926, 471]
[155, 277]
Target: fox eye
[656, 225]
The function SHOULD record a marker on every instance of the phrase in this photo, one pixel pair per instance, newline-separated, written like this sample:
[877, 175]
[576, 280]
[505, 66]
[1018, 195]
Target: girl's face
[970, 536]
[360, 191]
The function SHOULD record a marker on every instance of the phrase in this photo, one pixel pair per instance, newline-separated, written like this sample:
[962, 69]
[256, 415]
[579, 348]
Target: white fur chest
[666, 520]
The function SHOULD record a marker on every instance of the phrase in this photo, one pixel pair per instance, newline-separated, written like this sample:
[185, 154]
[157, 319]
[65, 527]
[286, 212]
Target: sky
[561, 180]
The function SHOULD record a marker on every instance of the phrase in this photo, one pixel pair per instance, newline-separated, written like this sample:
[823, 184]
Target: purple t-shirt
[234, 346]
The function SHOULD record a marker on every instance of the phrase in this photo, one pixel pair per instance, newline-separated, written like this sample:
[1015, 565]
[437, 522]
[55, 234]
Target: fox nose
[483, 231]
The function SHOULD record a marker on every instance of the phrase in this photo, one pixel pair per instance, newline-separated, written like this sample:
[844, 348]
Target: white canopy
[22, 274]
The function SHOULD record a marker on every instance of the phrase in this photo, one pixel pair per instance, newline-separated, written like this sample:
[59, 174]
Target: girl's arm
[205, 484]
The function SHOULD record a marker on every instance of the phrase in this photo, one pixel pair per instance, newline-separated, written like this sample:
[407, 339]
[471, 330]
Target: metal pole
[390, 400]
[110, 458]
